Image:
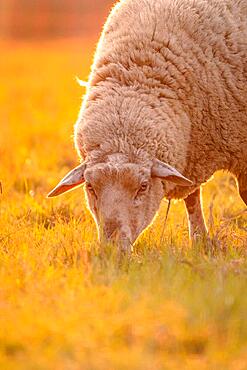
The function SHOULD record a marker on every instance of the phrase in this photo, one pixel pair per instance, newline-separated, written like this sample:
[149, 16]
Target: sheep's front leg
[197, 227]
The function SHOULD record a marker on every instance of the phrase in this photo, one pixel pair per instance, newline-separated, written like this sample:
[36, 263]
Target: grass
[66, 303]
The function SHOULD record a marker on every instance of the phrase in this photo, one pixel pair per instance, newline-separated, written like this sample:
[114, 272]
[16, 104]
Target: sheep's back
[191, 54]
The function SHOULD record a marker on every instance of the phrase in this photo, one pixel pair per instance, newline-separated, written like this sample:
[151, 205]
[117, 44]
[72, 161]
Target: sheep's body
[169, 81]
[169, 78]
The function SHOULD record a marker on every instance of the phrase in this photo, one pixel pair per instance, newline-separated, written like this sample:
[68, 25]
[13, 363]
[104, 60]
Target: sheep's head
[123, 197]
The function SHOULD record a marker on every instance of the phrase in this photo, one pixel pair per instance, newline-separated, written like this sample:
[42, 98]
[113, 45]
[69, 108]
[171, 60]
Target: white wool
[169, 77]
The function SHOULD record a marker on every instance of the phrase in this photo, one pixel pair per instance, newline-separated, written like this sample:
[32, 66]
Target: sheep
[165, 108]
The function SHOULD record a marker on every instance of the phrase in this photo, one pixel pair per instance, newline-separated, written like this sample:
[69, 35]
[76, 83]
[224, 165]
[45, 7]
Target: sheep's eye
[90, 189]
[143, 187]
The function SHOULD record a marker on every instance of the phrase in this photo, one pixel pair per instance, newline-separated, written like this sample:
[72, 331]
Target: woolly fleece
[169, 81]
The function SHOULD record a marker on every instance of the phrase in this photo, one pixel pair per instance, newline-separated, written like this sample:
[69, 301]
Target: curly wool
[169, 81]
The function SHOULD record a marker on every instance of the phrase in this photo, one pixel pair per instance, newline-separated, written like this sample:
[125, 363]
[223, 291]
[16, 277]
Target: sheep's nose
[111, 230]
[121, 235]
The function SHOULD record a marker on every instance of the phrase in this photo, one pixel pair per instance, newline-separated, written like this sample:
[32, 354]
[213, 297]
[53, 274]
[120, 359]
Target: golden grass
[66, 304]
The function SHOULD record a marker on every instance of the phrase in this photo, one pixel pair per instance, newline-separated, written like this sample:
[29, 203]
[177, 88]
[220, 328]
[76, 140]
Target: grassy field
[67, 304]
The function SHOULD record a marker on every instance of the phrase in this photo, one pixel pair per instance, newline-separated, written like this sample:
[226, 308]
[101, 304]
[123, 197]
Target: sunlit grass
[66, 303]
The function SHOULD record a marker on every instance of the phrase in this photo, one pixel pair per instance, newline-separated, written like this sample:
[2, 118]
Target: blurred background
[40, 19]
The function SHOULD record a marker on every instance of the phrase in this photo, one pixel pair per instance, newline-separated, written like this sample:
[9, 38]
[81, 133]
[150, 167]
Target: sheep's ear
[73, 179]
[169, 173]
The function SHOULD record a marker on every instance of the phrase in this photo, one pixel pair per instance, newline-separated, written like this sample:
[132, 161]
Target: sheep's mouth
[125, 246]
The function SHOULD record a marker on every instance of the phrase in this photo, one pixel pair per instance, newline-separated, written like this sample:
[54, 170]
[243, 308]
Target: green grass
[66, 302]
